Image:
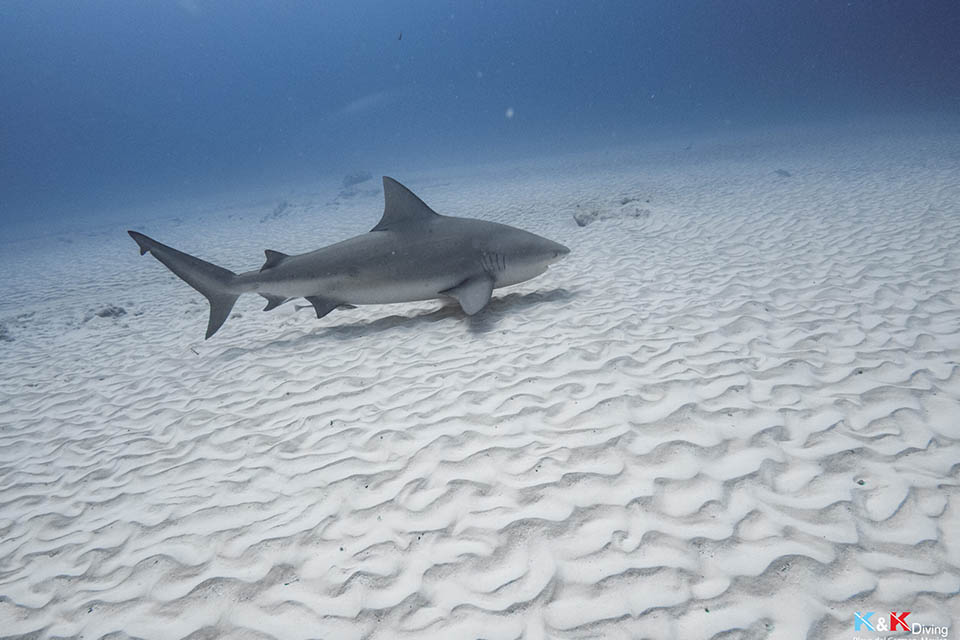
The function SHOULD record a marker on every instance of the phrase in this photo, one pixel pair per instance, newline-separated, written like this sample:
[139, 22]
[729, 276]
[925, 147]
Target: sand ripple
[736, 417]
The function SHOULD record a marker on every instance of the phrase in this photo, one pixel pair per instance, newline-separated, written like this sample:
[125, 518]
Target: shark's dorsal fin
[401, 208]
[273, 259]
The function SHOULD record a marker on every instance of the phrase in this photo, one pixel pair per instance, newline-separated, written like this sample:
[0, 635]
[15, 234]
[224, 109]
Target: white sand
[739, 414]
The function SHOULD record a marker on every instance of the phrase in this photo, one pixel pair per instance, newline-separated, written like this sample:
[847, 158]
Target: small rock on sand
[109, 311]
[278, 211]
[625, 207]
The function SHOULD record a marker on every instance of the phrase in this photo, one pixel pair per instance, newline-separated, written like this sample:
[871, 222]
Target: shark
[413, 253]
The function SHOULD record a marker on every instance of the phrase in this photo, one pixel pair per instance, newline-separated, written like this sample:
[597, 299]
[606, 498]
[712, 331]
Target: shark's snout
[534, 249]
[559, 251]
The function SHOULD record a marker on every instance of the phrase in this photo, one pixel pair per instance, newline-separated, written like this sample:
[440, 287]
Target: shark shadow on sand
[477, 324]
[481, 322]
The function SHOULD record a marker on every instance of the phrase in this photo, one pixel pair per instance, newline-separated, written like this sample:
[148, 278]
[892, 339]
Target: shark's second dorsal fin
[401, 208]
[273, 259]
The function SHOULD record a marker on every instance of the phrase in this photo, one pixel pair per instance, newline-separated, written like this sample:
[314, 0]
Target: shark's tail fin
[212, 281]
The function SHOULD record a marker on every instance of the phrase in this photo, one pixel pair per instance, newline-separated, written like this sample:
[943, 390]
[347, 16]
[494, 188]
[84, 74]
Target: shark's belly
[359, 287]
[388, 290]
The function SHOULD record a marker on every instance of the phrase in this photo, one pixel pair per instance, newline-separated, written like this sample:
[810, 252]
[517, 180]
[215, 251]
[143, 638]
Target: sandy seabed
[732, 412]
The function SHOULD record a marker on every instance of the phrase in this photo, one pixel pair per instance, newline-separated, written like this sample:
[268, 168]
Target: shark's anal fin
[273, 301]
[323, 306]
[473, 294]
[273, 259]
[401, 208]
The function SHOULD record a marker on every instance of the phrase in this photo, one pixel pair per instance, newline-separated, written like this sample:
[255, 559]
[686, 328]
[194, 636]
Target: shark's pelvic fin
[209, 279]
[273, 301]
[323, 306]
[473, 294]
[273, 259]
[401, 208]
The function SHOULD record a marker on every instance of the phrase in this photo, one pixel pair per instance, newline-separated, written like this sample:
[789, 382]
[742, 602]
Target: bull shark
[412, 254]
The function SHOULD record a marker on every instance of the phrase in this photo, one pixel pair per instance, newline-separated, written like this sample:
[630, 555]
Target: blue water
[113, 104]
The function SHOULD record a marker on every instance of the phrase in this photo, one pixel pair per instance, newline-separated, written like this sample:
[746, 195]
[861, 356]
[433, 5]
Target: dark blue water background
[114, 104]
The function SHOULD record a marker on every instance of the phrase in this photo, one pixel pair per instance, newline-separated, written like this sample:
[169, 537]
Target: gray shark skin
[412, 254]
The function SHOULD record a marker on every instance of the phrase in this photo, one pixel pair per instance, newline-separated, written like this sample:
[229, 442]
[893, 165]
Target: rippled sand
[733, 411]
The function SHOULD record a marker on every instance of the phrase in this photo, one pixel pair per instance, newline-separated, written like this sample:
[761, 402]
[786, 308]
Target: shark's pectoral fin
[323, 306]
[473, 294]
[273, 301]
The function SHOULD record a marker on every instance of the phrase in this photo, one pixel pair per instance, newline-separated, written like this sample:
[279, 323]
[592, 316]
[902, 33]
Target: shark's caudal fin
[209, 279]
